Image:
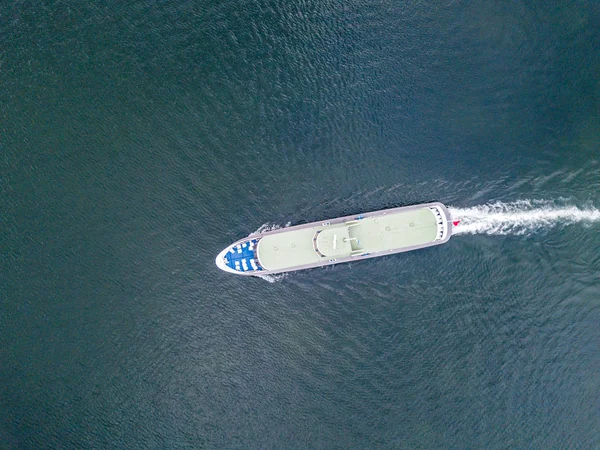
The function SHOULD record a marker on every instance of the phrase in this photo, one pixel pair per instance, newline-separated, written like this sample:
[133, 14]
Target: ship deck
[322, 243]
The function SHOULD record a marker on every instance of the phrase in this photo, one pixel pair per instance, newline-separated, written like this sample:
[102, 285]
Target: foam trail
[521, 217]
[273, 278]
[269, 227]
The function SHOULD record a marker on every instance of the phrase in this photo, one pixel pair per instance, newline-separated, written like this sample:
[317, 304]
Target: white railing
[441, 221]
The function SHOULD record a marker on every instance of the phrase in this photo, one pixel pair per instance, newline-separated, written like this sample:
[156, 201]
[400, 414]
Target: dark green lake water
[138, 139]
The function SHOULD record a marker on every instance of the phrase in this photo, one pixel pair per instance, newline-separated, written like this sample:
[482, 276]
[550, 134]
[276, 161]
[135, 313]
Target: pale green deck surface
[394, 231]
[374, 234]
[289, 249]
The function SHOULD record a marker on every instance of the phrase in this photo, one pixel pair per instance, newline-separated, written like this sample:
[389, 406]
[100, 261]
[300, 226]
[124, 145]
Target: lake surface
[138, 139]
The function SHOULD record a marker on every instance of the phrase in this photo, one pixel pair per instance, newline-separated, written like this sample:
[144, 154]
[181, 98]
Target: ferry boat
[334, 241]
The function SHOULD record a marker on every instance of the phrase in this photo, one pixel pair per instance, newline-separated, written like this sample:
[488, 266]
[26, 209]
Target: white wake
[273, 278]
[269, 227]
[521, 217]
